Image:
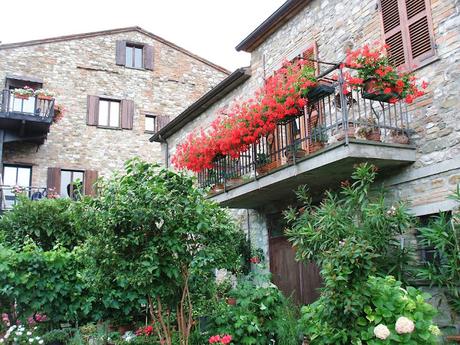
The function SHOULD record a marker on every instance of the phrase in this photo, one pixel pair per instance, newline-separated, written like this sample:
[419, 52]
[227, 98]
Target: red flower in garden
[254, 260]
[387, 90]
[217, 339]
[226, 339]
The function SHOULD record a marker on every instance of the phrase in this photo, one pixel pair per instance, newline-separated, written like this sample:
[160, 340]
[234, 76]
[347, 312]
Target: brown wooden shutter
[312, 53]
[120, 53]
[127, 114]
[90, 180]
[408, 31]
[92, 113]
[148, 57]
[420, 31]
[162, 121]
[53, 182]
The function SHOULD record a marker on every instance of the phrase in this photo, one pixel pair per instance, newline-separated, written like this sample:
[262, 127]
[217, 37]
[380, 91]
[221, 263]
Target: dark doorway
[296, 279]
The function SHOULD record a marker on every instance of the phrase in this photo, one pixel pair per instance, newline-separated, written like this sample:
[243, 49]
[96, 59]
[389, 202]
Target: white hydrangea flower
[434, 330]
[381, 331]
[404, 325]
[29, 333]
[2, 341]
[31, 340]
[41, 341]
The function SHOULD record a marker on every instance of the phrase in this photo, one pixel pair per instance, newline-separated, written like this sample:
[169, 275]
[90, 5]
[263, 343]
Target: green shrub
[58, 335]
[444, 235]
[47, 282]
[351, 236]
[47, 222]
[260, 316]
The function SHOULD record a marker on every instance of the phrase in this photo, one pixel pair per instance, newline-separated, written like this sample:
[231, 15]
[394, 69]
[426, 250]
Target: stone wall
[86, 66]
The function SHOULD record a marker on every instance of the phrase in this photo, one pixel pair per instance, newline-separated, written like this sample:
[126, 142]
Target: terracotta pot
[231, 301]
[300, 153]
[315, 146]
[400, 139]
[263, 169]
[45, 98]
[339, 133]
[21, 96]
[374, 135]
[217, 188]
[235, 181]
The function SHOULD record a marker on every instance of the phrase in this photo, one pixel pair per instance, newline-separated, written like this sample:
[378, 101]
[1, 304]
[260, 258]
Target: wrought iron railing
[331, 116]
[9, 195]
[35, 106]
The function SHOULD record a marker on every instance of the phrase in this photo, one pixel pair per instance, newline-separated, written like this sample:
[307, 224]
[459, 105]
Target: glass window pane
[103, 113]
[77, 176]
[65, 183]
[129, 56]
[150, 123]
[24, 177]
[10, 176]
[114, 114]
[138, 57]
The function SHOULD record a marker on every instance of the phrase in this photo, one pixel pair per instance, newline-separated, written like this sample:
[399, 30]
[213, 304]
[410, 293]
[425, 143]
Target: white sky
[208, 28]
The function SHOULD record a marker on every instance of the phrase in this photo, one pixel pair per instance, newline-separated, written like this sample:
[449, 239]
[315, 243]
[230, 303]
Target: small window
[150, 123]
[428, 254]
[71, 183]
[109, 113]
[14, 175]
[134, 56]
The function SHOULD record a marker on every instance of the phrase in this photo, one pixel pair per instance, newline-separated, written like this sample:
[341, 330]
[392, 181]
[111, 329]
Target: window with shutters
[408, 31]
[72, 182]
[310, 55]
[134, 55]
[150, 123]
[109, 113]
[15, 175]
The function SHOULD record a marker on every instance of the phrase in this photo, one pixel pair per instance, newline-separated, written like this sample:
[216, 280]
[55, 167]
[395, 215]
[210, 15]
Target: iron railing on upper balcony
[36, 106]
[331, 116]
[9, 195]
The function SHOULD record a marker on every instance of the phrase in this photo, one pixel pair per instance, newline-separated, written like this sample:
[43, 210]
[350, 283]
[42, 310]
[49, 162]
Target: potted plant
[216, 185]
[264, 163]
[232, 176]
[295, 150]
[44, 94]
[399, 137]
[319, 139]
[23, 93]
[368, 129]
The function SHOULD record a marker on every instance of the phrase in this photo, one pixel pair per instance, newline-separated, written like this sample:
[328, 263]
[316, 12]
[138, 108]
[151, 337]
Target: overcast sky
[209, 28]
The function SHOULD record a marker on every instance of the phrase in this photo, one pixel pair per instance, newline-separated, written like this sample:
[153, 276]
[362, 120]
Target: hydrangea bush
[20, 335]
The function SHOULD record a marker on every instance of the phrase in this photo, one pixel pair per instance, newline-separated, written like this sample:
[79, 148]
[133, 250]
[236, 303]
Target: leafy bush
[384, 302]
[444, 235]
[58, 336]
[261, 315]
[351, 236]
[33, 280]
[151, 229]
[47, 222]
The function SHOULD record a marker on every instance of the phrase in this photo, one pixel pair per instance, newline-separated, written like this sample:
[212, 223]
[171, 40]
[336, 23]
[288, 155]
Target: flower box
[368, 93]
[319, 92]
[19, 96]
[44, 97]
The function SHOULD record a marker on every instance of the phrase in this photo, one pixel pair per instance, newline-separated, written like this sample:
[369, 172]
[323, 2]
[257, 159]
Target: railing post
[254, 160]
[343, 105]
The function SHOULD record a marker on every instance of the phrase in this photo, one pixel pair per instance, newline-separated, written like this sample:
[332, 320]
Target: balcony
[8, 195]
[25, 119]
[319, 147]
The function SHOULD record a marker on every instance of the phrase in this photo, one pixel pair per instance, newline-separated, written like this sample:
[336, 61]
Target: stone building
[423, 35]
[115, 89]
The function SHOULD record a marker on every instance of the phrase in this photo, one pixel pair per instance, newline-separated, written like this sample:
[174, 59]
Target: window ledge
[425, 63]
[109, 127]
[136, 69]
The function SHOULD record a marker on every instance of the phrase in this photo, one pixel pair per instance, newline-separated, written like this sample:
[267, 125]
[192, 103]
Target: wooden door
[296, 279]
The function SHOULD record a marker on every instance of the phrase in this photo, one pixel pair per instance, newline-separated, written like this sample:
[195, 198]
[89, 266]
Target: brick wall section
[80, 67]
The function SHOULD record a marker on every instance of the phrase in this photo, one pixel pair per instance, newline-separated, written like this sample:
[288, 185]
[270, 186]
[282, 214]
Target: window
[134, 56]
[109, 113]
[150, 123]
[71, 183]
[428, 253]
[408, 31]
[14, 175]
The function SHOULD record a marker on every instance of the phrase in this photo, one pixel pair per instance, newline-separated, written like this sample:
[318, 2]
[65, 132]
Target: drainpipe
[164, 141]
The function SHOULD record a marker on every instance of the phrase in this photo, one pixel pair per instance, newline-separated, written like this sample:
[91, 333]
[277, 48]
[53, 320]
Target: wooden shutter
[148, 57]
[53, 182]
[408, 31]
[120, 53]
[312, 53]
[90, 180]
[162, 121]
[92, 112]
[127, 114]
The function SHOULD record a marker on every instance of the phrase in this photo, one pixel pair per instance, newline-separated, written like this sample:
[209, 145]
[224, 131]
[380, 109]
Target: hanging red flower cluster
[283, 95]
[375, 75]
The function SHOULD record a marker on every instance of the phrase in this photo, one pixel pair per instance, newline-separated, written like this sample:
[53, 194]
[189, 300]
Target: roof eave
[283, 14]
[227, 85]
